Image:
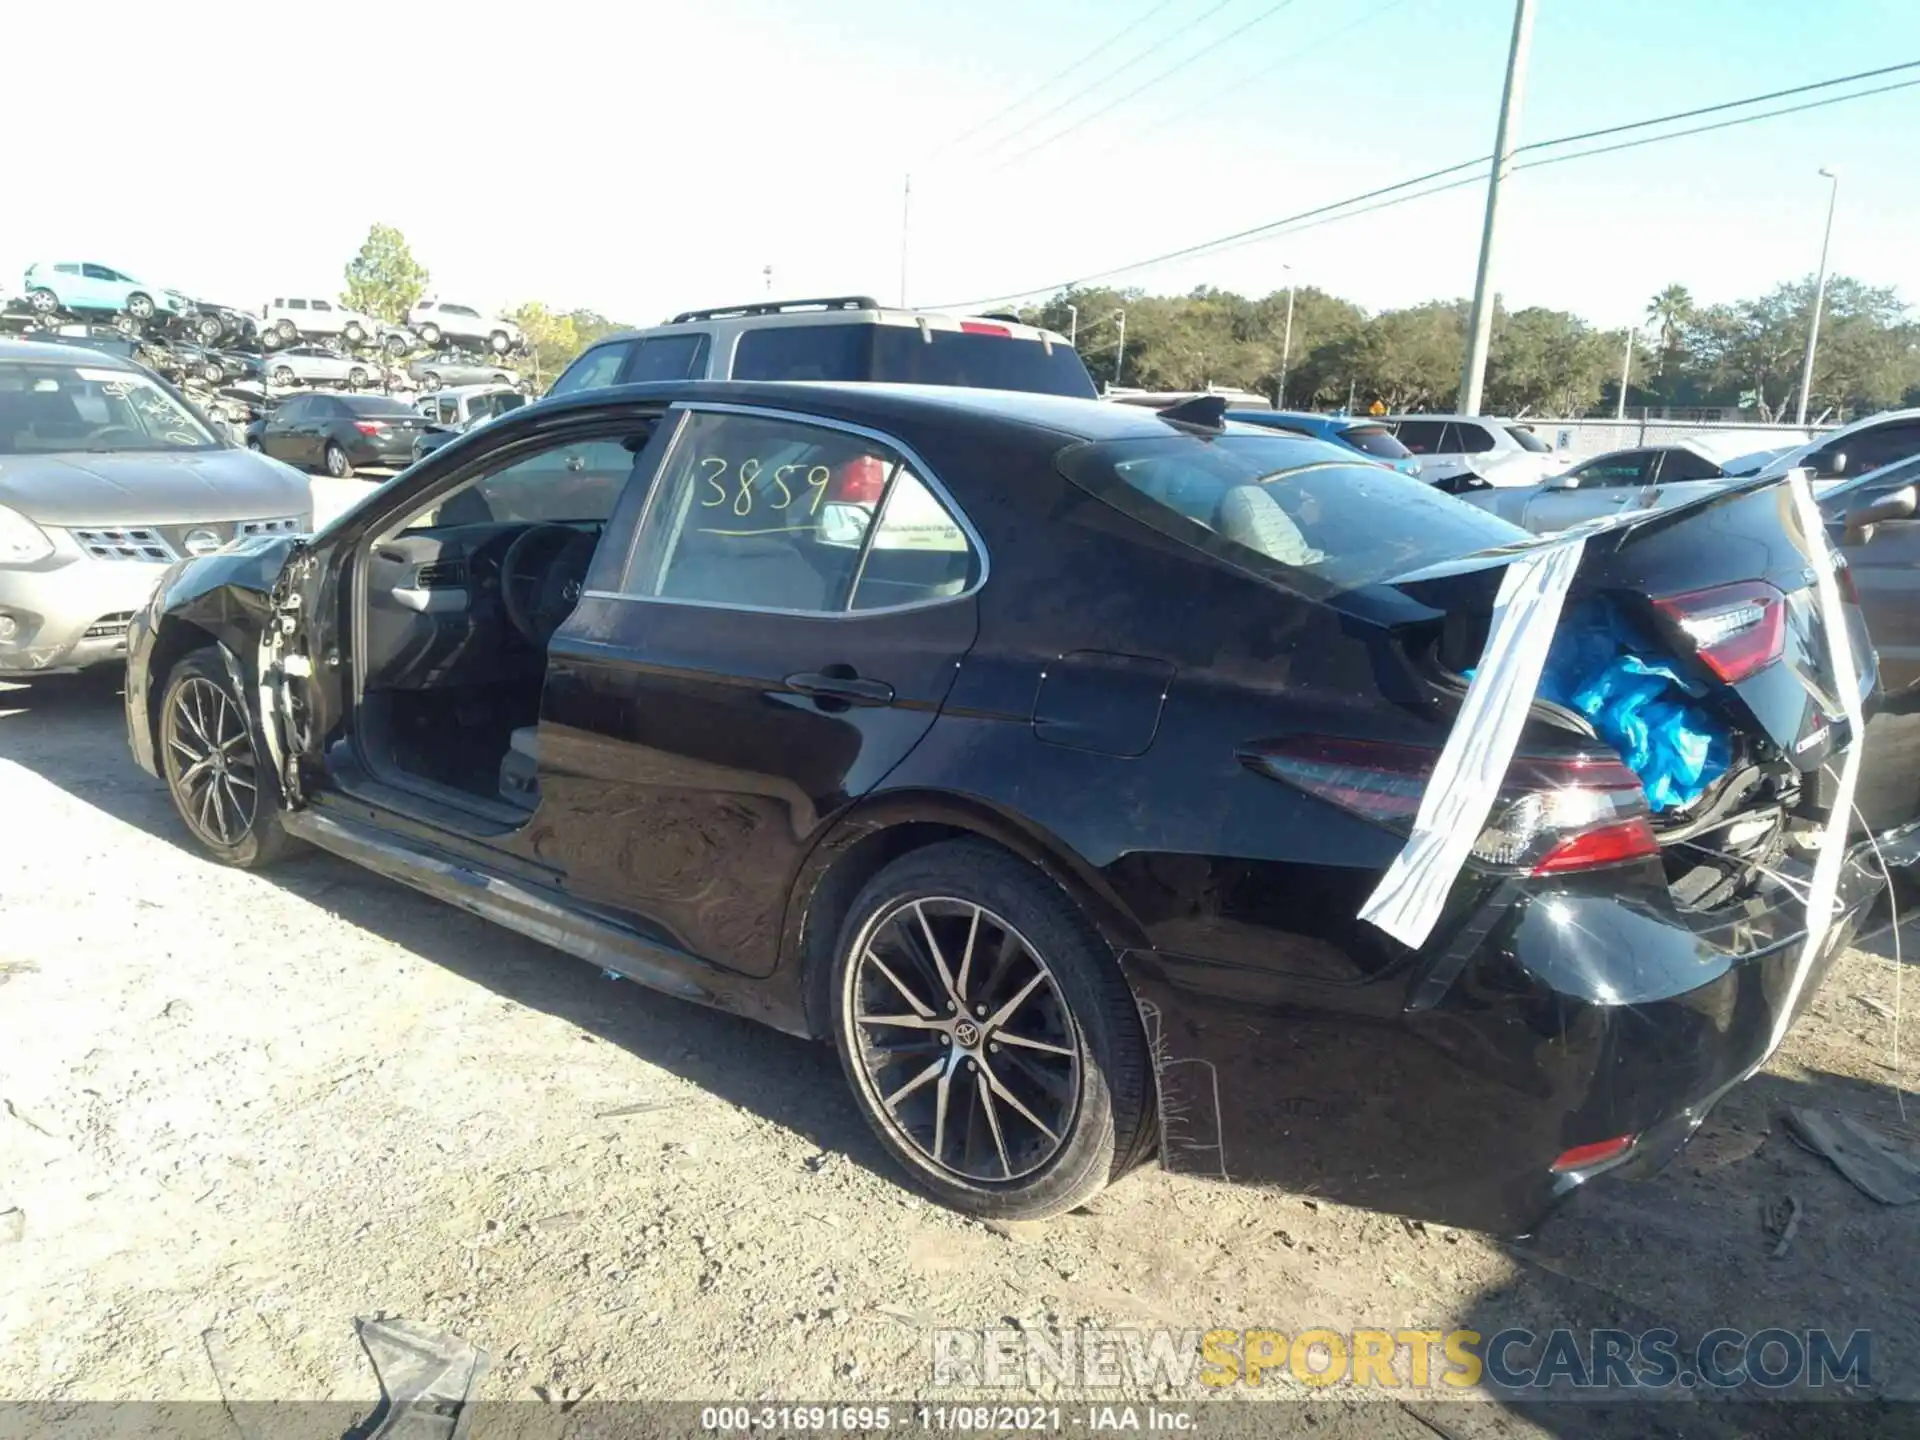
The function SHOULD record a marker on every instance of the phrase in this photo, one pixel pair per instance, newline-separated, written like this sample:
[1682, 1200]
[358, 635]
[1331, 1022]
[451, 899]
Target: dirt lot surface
[263, 1105]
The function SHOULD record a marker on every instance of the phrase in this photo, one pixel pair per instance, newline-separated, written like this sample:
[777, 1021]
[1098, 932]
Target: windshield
[1287, 507]
[1528, 440]
[903, 354]
[1375, 440]
[51, 409]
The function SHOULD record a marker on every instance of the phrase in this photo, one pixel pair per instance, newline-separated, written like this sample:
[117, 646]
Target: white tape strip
[1473, 763]
[1833, 841]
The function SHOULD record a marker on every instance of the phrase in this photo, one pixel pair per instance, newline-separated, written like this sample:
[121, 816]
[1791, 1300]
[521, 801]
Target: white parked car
[441, 322]
[313, 364]
[1500, 452]
[305, 315]
[1643, 477]
[1841, 454]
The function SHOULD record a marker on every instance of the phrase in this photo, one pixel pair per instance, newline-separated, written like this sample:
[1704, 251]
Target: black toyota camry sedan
[1042, 754]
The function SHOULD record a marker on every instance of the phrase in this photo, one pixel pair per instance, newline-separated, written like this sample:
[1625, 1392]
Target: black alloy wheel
[988, 1034]
[213, 768]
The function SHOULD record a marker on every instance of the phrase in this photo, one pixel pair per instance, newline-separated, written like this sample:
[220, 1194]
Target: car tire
[357, 378]
[209, 329]
[335, 459]
[140, 306]
[283, 377]
[201, 713]
[394, 346]
[284, 329]
[1068, 1107]
[355, 333]
[499, 343]
[126, 324]
[44, 302]
[430, 333]
[430, 380]
[253, 444]
[213, 372]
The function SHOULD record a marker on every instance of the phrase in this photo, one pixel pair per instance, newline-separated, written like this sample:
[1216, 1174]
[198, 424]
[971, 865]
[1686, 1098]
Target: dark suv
[844, 338]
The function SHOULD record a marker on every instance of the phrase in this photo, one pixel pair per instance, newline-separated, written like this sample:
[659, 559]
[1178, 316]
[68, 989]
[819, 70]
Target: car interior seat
[1250, 516]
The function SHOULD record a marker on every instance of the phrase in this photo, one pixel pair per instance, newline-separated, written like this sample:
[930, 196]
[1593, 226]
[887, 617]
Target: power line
[1205, 50]
[1264, 72]
[1292, 222]
[1052, 80]
[1086, 90]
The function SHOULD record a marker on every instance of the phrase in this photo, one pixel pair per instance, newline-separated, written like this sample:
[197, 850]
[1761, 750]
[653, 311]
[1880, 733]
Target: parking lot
[263, 1105]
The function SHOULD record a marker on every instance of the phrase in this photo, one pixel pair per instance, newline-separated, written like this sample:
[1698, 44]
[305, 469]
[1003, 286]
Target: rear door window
[1421, 437]
[1529, 441]
[1610, 472]
[1278, 508]
[1465, 438]
[596, 369]
[669, 357]
[1679, 466]
[1374, 440]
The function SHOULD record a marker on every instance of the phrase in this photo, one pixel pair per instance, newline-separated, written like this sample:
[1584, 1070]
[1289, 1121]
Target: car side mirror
[1835, 464]
[1901, 504]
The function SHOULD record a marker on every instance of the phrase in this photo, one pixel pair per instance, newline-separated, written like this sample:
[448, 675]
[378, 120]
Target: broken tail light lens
[1552, 815]
[1736, 629]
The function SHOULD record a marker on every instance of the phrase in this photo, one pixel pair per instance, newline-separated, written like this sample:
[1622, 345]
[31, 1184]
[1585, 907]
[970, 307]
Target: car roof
[1474, 419]
[849, 310]
[62, 352]
[1069, 417]
[490, 388]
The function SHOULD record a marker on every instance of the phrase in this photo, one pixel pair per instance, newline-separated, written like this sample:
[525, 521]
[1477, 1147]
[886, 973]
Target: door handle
[846, 689]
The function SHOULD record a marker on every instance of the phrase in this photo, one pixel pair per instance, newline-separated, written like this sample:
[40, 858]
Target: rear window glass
[374, 405]
[1279, 507]
[1375, 440]
[595, 369]
[670, 357]
[1528, 440]
[902, 354]
[1421, 437]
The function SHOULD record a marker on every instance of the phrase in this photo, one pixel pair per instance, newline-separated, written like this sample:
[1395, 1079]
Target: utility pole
[1120, 355]
[1286, 345]
[1819, 295]
[1073, 325]
[906, 214]
[1626, 369]
[1473, 374]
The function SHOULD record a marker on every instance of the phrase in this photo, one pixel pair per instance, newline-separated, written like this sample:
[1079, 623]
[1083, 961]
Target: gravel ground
[267, 1104]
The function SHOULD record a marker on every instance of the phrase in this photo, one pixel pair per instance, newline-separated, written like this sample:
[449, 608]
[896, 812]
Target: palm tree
[1670, 311]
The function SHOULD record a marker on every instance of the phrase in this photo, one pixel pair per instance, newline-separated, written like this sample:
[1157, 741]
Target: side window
[918, 551]
[1610, 472]
[1678, 466]
[96, 272]
[1465, 438]
[66, 269]
[769, 513]
[579, 481]
[291, 409]
[598, 367]
[670, 357]
[322, 305]
[1870, 449]
[296, 304]
[449, 410]
[1421, 437]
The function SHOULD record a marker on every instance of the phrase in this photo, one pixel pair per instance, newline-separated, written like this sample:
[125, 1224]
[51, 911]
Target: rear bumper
[1582, 1012]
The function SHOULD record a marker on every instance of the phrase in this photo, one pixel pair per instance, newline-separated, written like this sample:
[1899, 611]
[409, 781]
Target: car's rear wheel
[499, 343]
[140, 306]
[394, 346]
[430, 333]
[355, 333]
[213, 371]
[988, 1034]
[430, 380]
[338, 466]
[282, 376]
[209, 329]
[357, 378]
[44, 302]
[213, 766]
[284, 329]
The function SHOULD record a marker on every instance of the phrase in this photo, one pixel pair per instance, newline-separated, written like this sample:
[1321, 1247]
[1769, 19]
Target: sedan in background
[339, 434]
[1041, 755]
[316, 365]
[1647, 477]
[107, 477]
[1369, 437]
[436, 371]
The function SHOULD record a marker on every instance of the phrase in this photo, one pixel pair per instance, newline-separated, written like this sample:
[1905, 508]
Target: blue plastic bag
[1599, 667]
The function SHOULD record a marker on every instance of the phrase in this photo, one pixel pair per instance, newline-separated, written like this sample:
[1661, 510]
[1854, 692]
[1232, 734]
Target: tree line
[1745, 354]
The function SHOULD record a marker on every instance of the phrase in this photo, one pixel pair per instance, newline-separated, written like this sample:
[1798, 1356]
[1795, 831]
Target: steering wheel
[551, 596]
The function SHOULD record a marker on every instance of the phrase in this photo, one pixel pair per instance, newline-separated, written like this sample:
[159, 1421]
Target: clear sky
[644, 157]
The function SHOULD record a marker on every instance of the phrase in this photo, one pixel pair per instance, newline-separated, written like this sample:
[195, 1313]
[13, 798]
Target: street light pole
[1473, 373]
[1626, 369]
[1120, 354]
[1286, 345]
[1073, 326]
[1819, 296]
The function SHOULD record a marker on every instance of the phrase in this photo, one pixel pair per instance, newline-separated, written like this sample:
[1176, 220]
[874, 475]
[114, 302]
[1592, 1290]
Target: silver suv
[843, 338]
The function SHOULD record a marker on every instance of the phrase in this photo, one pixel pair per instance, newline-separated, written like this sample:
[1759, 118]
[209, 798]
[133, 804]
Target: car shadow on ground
[70, 730]
[1697, 1247]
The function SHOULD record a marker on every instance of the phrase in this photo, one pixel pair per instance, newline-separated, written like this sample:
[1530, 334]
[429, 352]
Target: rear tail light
[1552, 815]
[1737, 629]
[861, 481]
[368, 427]
[1585, 1157]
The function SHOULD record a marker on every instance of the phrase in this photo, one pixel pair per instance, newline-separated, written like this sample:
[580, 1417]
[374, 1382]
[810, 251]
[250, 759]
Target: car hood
[149, 487]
